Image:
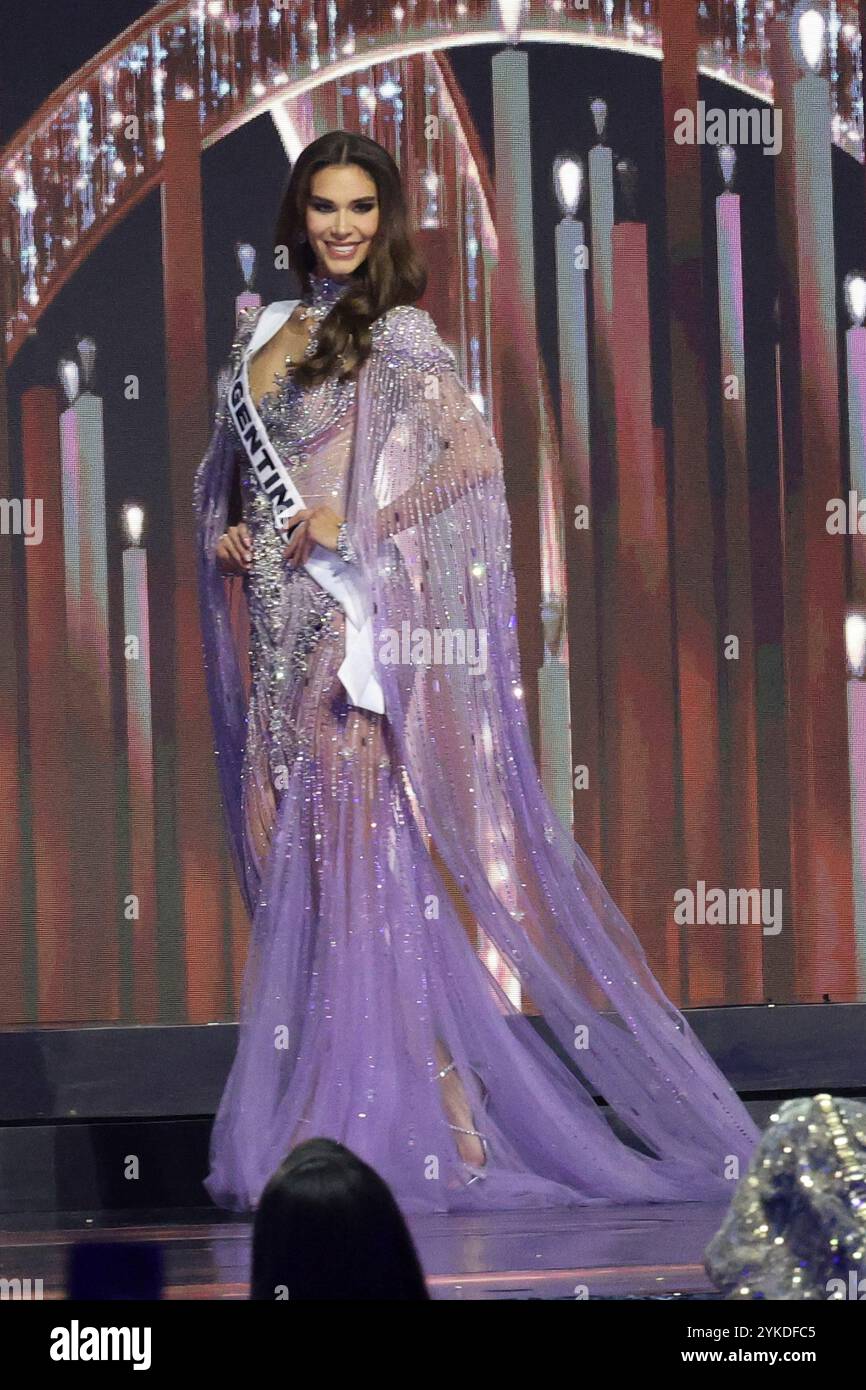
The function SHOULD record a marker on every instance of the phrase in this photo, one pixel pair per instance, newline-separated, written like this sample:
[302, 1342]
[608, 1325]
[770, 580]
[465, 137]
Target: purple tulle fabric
[362, 859]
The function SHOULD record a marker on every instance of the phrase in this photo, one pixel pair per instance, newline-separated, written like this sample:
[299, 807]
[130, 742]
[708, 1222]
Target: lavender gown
[364, 843]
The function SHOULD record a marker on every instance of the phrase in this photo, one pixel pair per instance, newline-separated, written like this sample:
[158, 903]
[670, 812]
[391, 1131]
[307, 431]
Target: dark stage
[638, 1250]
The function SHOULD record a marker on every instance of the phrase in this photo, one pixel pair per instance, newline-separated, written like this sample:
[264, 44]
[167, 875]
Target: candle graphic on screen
[141, 889]
[91, 725]
[577, 660]
[601, 197]
[740, 675]
[247, 299]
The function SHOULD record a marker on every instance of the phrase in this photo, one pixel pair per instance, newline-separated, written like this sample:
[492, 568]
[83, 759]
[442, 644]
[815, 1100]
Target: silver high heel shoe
[475, 1133]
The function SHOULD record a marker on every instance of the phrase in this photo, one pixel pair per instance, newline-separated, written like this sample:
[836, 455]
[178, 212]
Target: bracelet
[345, 549]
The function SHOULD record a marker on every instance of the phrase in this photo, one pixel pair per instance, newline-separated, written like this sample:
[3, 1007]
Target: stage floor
[653, 1250]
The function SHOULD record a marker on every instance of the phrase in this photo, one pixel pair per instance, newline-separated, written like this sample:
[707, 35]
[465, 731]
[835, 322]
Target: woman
[328, 1228]
[384, 727]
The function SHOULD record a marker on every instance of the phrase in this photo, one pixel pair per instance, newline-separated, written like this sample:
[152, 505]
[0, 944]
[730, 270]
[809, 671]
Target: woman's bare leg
[459, 1111]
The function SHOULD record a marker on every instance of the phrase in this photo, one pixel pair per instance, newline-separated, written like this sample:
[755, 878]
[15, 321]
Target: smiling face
[342, 217]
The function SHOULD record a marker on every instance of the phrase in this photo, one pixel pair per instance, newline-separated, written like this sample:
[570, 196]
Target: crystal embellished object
[796, 1228]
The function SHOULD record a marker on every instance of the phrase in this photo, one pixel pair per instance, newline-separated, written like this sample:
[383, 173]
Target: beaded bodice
[297, 417]
[311, 428]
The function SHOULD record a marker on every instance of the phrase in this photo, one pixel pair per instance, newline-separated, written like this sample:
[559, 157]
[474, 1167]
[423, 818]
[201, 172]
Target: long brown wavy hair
[393, 271]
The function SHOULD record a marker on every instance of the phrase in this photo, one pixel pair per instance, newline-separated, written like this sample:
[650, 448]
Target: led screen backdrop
[644, 225]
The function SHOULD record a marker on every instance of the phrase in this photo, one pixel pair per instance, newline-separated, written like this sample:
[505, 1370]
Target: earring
[300, 238]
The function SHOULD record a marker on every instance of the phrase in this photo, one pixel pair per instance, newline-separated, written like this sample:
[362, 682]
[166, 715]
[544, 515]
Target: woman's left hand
[311, 526]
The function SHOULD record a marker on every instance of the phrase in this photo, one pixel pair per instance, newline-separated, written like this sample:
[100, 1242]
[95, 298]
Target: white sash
[343, 581]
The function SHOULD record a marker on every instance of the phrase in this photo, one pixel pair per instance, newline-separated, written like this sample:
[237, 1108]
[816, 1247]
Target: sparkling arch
[95, 148]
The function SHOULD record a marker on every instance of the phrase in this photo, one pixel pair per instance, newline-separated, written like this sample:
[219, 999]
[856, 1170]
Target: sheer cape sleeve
[220, 604]
[429, 520]
[458, 448]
